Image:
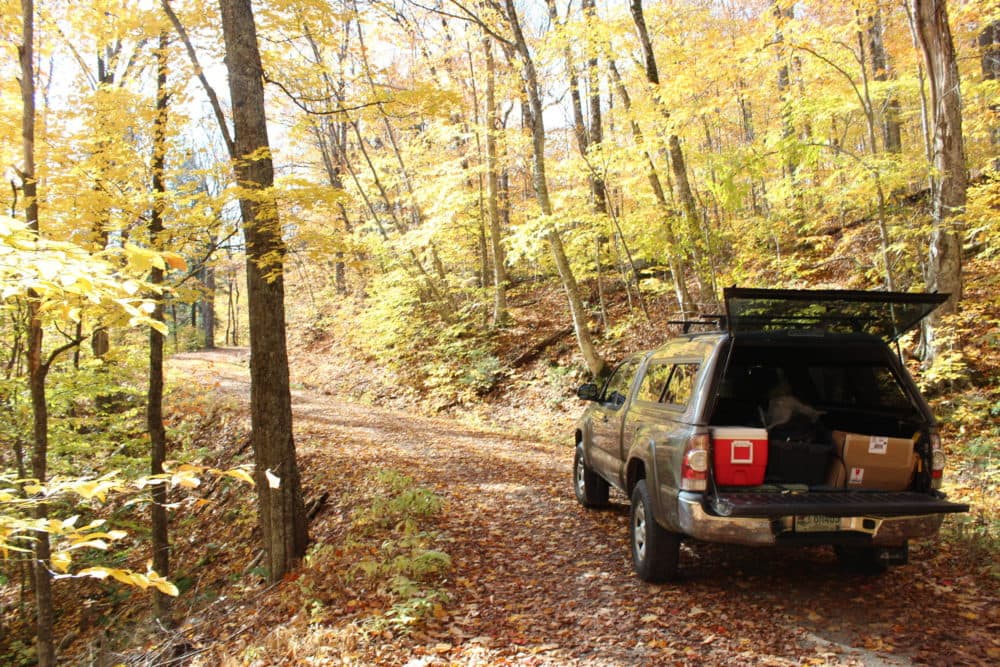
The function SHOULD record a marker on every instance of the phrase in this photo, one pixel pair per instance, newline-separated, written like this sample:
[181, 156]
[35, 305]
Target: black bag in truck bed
[831, 503]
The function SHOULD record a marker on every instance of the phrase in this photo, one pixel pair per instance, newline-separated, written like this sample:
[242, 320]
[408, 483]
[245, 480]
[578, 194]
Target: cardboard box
[836, 476]
[739, 455]
[872, 462]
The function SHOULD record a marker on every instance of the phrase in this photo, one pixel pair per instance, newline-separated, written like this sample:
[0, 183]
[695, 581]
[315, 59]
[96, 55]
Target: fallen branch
[531, 353]
[314, 506]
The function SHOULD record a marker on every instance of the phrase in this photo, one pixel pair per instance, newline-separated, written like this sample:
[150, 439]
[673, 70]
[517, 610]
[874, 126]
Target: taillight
[694, 467]
[937, 461]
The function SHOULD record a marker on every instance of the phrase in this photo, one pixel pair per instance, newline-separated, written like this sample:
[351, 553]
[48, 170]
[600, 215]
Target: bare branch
[297, 101]
[212, 97]
[59, 350]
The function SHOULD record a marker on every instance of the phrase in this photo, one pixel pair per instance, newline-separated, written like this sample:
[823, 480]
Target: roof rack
[718, 321]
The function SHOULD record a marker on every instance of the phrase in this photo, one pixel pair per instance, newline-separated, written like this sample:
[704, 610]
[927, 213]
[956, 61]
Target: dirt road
[537, 579]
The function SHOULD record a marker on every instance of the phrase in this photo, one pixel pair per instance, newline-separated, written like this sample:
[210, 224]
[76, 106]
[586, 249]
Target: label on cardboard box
[857, 476]
[878, 445]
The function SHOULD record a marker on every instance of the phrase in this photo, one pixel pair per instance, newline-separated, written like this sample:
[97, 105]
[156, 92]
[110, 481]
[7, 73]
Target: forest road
[539, 580]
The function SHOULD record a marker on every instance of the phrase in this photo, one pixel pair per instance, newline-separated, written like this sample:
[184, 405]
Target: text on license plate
[816, 524]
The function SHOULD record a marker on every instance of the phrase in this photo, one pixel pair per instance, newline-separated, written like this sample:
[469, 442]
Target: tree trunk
[37, 370]
[154, 397]
[675, 258]
[682, 184]
[944, 265]
[989, 44]
[595, 363]
[891, 127]
[331, 140]
[784, 84]
[281, 510]
[500, 313]
[596, 122]
[208, 305]
[585, 137]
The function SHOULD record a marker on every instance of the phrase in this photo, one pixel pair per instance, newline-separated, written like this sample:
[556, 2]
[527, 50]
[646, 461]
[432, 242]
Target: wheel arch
[634, 471]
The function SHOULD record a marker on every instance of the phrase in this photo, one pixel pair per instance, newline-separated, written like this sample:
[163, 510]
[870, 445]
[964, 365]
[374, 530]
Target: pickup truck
[793, 423]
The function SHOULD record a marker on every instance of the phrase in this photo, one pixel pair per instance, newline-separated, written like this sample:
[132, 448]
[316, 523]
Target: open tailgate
[831, 503]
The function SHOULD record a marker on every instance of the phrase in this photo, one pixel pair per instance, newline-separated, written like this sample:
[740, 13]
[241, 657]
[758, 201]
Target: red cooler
[740, 455]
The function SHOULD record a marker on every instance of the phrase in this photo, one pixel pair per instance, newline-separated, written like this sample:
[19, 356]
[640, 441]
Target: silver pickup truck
[794, 423]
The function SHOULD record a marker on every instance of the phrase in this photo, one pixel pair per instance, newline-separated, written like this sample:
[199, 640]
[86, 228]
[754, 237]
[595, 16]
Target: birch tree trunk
[595, 363]
[500, 313]
[948, 190]
[281, 509]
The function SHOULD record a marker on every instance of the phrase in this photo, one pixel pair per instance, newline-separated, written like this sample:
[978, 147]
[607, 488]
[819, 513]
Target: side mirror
[588, 392]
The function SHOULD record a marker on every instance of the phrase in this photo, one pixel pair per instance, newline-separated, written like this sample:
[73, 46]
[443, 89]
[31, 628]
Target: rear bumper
[696, 522]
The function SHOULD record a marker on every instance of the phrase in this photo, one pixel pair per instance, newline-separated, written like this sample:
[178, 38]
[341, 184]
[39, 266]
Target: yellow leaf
[185, 478]
[98, 572]
[61, 560]
[143, 259]
[93, 544]
[240, 474]
[167, 588]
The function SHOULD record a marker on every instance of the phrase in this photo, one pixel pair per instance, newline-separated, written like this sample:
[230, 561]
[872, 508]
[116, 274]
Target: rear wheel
[591, 489]
[655, 550]
[863, 560]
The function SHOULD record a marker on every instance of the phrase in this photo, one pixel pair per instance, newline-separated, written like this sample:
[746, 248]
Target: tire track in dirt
[538, 580]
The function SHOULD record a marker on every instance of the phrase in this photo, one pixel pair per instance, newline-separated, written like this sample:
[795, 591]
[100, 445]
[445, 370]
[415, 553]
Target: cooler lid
[885, 314]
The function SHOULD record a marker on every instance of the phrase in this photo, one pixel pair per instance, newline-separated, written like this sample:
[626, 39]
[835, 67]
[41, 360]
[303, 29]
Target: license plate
[816, 524]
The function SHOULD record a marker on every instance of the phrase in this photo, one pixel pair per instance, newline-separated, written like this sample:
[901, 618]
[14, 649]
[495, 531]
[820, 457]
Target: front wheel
[655, 550]
[591, 489]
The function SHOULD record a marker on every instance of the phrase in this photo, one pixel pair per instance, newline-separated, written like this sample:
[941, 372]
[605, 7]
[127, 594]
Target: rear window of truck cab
[668, 382]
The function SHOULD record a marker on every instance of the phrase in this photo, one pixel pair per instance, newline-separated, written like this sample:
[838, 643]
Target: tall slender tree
[281, 509]
[500, 314]
[154, 395]
[678, 166]
[37, 367]
[951, 180]
[989, 44]
[892, 140]
[595, 363]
